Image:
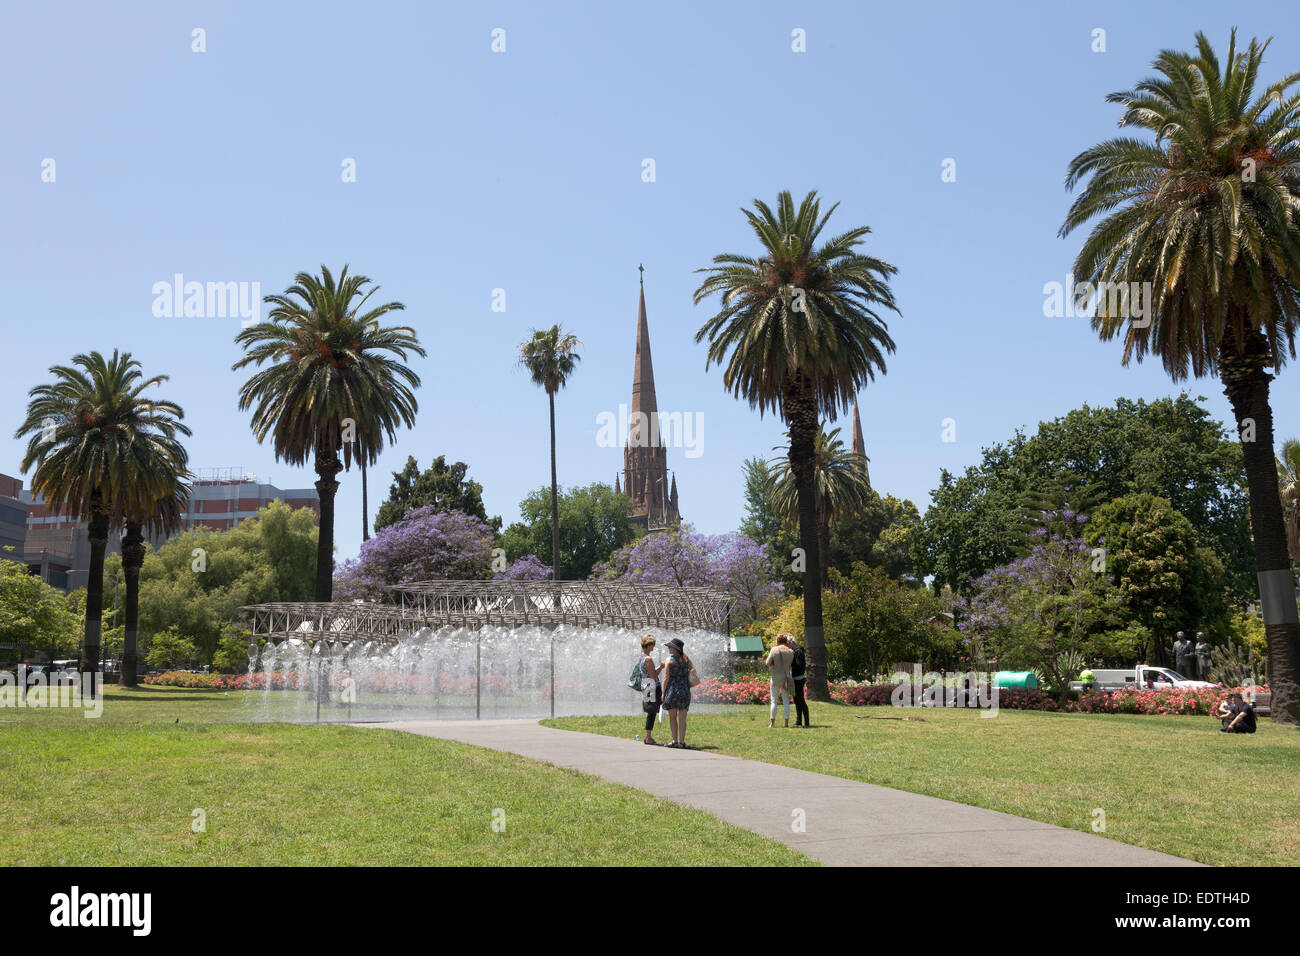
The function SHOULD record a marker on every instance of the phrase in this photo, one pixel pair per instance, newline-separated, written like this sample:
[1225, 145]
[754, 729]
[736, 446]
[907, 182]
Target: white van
[1144, 677]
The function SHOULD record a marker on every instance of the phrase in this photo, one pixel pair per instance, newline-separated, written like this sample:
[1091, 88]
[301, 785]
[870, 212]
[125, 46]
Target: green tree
[87, 432]
[170, 649]
[1170, 447]
[1046, 612]
[1288, 479]
[873, 622]
[332, 385]
[593, 525]
[799, 332]
[841, 486]
[880, 535]
[231, 656]
[445, 487]
[33, 615]
[1166, 579]
[764, 525]
[550, 357]
[1203, 217]
[198, 581]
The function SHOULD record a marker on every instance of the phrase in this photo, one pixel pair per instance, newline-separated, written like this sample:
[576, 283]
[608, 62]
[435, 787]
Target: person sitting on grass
[1243, 720]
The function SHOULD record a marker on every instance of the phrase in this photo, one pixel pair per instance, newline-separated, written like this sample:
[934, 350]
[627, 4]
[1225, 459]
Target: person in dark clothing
[799, 671]
[1242, 716]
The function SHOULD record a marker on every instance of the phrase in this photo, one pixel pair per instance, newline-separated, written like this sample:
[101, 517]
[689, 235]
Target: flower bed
[1195, 702]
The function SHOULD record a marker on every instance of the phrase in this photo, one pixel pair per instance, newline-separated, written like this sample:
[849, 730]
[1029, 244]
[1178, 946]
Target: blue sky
[522, 171]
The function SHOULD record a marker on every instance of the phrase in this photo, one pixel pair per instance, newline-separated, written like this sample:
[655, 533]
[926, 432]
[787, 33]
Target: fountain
[475, 649]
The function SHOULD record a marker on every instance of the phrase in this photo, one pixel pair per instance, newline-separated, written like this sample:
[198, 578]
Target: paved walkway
[847, 823]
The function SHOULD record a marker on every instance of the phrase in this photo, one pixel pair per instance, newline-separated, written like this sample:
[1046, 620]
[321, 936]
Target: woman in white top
[651, 689]
[779, 660]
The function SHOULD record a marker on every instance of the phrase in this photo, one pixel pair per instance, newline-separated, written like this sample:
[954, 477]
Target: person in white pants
[778, 661]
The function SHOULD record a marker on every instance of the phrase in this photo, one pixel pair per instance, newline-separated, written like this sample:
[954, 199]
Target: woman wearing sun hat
[677, 690]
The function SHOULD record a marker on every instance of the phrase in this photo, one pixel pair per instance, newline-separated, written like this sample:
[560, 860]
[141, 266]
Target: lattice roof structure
[474, 604]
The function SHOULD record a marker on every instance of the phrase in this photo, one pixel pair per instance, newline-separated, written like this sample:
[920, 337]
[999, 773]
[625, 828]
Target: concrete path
[846, 823]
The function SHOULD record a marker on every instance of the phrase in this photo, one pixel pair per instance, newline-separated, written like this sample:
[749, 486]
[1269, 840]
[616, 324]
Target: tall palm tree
[1288, 478]
[840, 479]
[1206, 216]
[550, 357]
[164, 516]
[800, 334]
[365, 506]
[87, 432]
[332, 386]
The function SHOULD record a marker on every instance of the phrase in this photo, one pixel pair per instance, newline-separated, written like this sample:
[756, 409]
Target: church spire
[645, 460]
[859, 446]
[643, 373]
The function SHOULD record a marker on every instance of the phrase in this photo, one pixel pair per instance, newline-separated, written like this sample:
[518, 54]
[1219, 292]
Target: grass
[1173, 784]
[120, 790]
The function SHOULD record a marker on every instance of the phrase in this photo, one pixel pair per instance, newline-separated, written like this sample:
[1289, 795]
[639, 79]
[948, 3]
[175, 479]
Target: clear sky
[523, 171]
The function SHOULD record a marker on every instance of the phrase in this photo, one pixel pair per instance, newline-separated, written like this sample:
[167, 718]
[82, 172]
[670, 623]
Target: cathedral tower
[645, 460]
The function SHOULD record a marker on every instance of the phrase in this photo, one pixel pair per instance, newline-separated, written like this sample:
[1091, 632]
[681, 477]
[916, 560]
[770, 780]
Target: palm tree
[1204, 221]
[550, 358]
[166, 516]
[1288, 478]
[800, 334]
[365, 506]
[840, 479]
[88, 431]
[332, 385]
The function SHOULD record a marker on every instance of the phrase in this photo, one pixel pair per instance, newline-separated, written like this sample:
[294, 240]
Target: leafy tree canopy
[1168, 581]
[441, 486]
[593, 525]
[198, 581]
[34, 616]
[1170, 447]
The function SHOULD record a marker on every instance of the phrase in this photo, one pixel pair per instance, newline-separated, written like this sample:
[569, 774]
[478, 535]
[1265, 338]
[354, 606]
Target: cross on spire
[641, 269]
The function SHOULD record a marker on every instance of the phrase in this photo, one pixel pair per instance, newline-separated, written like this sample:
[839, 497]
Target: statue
[1184, 655]
[1202, 657]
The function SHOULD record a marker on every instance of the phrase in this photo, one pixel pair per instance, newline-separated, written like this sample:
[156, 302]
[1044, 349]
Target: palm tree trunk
[327, 466]
[98, 533]
[801, 415]
[365, 505]
[824, 541]
[555, 505]
[132, 560]
[1246, 385]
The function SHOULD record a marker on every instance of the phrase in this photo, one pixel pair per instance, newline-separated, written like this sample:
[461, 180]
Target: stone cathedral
[645, 459]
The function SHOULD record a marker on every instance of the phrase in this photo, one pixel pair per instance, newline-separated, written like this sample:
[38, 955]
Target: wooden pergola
[477, 604]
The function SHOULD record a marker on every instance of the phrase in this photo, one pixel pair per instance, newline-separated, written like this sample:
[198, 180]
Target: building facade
[57, 546]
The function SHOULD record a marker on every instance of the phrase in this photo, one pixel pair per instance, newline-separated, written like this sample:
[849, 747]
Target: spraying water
[456, 672]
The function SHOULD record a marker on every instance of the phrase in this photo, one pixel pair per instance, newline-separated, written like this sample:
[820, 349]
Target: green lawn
[120, 790]
[1173, 784]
